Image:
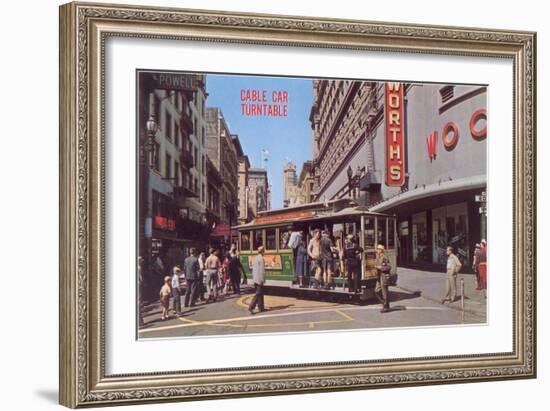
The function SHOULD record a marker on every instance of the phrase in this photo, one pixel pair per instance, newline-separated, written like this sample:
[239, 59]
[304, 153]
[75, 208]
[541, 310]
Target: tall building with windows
[415, 150]
[171, 206]
[222, 151]
[289, 184]
[259, 190]
[245, 214]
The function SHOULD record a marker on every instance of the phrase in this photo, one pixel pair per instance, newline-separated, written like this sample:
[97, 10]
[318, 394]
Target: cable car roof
[314, 213]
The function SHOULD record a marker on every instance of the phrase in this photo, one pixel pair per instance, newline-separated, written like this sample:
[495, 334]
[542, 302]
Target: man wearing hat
[383, 268]
[352, 254]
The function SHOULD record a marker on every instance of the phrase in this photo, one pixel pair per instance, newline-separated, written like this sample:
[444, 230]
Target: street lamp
[152, 128]
[147, 151]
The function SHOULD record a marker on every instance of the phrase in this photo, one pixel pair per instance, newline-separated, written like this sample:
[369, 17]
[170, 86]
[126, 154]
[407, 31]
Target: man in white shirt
[258, 276]
[453, 267]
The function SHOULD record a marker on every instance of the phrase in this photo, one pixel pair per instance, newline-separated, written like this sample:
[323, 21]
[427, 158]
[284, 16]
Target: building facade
[244, 211]
[171, 207]
[259, 197]
[290, 181]
[417, 151]
[222, 151]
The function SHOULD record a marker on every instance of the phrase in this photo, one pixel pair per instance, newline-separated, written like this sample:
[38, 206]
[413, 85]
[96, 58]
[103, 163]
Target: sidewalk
[431, 285]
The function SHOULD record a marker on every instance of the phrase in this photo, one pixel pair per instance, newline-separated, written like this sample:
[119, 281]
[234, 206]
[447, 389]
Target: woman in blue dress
[301, 263]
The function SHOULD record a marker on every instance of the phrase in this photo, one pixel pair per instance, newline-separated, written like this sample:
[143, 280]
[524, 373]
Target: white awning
[421, 192]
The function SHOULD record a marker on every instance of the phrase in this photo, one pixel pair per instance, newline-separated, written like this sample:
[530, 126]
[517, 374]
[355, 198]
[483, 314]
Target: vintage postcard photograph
[292, 204]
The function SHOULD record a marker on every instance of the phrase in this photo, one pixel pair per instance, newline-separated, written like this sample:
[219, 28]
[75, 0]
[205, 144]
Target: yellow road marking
[347, 317]
[313, 304]
[231, 321]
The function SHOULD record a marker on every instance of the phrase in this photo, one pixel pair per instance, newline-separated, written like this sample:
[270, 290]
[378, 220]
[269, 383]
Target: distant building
[306, 182]
[245, 214]
[289, 183]
[259, 197]
[222, 151]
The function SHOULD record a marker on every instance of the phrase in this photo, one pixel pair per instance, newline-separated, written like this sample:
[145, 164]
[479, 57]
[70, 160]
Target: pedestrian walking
[164, 295]
[175, 283]
[352, 253]
[213, 266]
[453, 267]
[258, 275]
[383, 269]
[191, 268]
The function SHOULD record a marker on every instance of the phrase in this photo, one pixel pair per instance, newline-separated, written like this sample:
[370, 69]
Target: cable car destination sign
[395, 135]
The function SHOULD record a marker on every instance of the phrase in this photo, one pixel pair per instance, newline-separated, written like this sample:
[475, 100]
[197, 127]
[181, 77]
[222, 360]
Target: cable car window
[245, 241]
[258, 239]
[369, 232]
[270, 239]
[284, 237]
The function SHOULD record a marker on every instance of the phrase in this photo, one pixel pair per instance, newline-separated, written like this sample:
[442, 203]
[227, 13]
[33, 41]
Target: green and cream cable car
[272, 229]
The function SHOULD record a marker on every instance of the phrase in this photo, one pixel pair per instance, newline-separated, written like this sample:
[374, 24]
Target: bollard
[462, 299]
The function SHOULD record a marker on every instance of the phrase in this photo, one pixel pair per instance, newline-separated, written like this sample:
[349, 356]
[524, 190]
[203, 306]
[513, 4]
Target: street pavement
[431, 286]
[414, 302]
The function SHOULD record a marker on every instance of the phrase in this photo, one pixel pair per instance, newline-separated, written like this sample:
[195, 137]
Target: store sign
[164, 223]
[173, 81]
[395, 138]
[431, 142]
[451, 133]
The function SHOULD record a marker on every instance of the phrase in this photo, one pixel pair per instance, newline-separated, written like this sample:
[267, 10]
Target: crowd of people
[201, 279]
[205, 278]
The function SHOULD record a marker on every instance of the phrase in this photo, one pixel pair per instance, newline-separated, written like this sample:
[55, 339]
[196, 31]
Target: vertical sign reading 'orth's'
[395, 136]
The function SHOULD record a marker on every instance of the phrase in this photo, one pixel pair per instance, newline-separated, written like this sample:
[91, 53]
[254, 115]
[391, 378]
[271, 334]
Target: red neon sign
[450, 129]
[164, 223]
[395, 138]
[480, 114]
[431, 142]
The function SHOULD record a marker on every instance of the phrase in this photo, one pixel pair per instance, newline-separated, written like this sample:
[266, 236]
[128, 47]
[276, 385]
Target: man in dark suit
[191, 268]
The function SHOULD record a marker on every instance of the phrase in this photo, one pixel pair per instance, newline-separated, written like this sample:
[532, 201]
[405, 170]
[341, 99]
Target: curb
[453, 307]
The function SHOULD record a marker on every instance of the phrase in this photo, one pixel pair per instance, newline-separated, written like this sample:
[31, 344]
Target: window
[177, 138]
[258, 239]
[270, 239]
[245, 241]
[381, 235]
[168, 126]
[157, 157]
[391, 233]
[369, 232]
[167, 165]
[284, 236]
[177, 174]
[447, 93]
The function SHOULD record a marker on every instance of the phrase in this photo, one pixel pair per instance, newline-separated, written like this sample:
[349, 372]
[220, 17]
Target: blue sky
[284, 137]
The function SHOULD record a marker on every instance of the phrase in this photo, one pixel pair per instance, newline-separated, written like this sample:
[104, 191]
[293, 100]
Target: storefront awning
[222, 230]
[422, 192]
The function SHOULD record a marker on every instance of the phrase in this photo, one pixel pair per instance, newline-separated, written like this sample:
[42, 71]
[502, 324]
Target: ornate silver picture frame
[85, 30]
